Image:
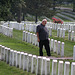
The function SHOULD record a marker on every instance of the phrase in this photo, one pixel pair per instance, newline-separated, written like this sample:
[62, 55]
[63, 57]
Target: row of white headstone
[55, 46]
[55, 26]
[6, 30]
[20, 26]
[60, 31]
[32, 28]
[15, 25]
[66, 26]
[30, 38]
[35, 64]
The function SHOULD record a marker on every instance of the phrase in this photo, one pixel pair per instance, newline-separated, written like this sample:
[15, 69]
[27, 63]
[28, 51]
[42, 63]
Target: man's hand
[38, 40]
[38, 37]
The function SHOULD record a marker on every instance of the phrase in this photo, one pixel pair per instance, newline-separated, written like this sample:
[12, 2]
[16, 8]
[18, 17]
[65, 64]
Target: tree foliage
[5, 9]
[17, 9]
[74, 5]
[40, 7]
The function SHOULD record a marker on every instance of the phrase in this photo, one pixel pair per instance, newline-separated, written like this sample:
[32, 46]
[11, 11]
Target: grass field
[16, 43]
[5, 69]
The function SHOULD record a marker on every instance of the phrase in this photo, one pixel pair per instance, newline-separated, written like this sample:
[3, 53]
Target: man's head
[44, 21]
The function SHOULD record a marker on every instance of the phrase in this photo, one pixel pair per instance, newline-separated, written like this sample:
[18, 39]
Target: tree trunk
[36, 18]
[19, 13]
[23, 17]
[53, 4]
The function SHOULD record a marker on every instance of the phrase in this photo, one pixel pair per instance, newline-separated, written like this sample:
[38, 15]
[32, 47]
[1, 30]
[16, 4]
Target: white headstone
[50, 32]
[55, 46]
[47, 66]
[0, 51]
[69, 35]
[60, 68]
[21, 60]
[58, 32]
[38, 70]
[43, 66]
[74, 52]
[17, 58]
[73, 68]
[29, 63]
[54, 67]
[52, 45]
[62, 49]
[26, 60]
[72, 36]
[23, 35]
[8, 55]
[66, 68]
[31, 37]
[34, 62]
[63, 33]
[10, 60]
[26, 33]
[58, 48]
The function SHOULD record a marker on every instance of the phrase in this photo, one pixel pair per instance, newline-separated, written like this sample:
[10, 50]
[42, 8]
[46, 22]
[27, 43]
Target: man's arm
[38, 37]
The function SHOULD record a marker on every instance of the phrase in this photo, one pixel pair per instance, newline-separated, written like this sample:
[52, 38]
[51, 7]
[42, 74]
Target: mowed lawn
[5, 69]
[16, 43]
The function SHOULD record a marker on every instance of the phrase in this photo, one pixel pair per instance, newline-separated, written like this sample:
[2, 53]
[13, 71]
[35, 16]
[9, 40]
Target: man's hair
[44, 20]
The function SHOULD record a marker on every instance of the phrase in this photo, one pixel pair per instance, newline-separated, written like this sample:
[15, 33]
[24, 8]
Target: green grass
[5, 69]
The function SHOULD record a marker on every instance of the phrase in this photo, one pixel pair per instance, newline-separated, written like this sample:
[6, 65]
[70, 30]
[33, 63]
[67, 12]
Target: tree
[39, 8]
[16, 9]
[73, 5]
[54, 4]
[5, 10]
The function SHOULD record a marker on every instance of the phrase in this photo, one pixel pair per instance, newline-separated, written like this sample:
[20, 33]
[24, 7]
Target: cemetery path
[65, 8]
[63, 58]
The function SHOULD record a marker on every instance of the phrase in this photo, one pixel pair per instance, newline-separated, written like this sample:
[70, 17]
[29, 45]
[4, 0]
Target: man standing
[42, 37]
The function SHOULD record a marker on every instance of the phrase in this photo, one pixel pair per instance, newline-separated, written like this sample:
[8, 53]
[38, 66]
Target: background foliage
[18, 9]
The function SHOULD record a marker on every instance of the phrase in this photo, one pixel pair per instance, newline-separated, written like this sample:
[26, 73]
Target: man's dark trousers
[47, 47]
